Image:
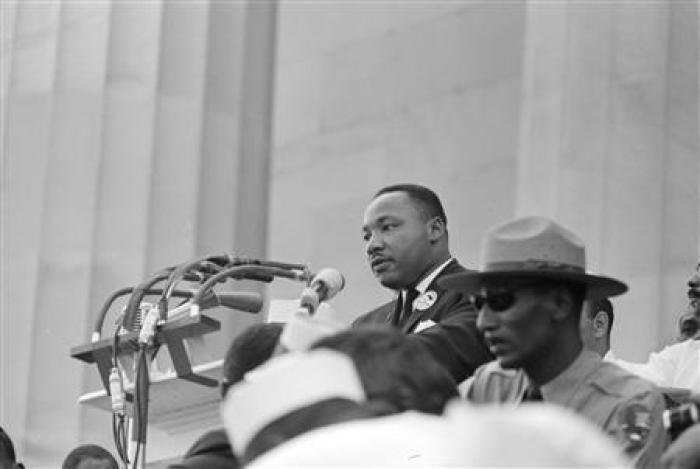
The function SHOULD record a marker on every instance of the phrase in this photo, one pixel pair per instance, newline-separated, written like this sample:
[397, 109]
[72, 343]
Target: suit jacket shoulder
[379, 315]
[447, 327]
[447, 302]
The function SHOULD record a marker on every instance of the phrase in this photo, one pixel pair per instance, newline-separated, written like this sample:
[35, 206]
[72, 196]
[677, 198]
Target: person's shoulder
[614, 380]
[214, 440]
[211, 451]
[686, 346]
[449, 300]
[379, 315]
[454, 267]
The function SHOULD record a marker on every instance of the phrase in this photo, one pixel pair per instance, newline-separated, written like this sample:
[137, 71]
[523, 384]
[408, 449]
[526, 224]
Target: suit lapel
[413, 319]
[427, 313]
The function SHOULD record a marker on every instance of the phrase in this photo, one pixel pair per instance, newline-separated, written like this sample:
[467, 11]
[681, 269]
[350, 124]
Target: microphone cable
[141, 392]
[138, 294]
[120, 421]
[205, 264]
[259, 272]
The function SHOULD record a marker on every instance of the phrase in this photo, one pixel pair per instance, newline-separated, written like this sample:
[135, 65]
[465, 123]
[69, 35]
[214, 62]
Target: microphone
[324, 286]
[249, 302]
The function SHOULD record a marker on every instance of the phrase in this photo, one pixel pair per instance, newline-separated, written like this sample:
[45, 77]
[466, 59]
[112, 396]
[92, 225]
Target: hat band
[530, 265]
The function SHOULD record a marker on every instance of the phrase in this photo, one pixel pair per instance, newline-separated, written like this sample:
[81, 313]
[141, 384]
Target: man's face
[688, 326]
[397, 240]
[694, 290]
[517, 322]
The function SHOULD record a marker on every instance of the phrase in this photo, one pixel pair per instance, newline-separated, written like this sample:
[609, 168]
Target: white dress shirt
[676, 366]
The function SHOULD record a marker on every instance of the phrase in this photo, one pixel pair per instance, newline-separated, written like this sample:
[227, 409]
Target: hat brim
[597, 286]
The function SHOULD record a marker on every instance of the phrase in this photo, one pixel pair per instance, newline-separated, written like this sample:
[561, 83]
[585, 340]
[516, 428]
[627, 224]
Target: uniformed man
[529, 293]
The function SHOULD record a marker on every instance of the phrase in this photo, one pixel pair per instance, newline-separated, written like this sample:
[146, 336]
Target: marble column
[608, 133]
[136, 136]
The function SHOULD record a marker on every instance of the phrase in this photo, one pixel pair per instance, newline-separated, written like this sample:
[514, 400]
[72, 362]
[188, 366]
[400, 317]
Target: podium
[187, 396]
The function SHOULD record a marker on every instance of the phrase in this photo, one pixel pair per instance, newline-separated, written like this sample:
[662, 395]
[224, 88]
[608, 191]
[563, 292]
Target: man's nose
[374, 243]
[694, 281]
[486, 319]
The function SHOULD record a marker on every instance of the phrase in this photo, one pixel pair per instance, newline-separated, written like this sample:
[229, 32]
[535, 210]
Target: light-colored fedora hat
[534, 247]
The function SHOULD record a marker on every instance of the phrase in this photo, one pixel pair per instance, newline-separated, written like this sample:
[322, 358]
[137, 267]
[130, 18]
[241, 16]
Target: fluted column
[27, 108]
[136, 137]
[604, 139]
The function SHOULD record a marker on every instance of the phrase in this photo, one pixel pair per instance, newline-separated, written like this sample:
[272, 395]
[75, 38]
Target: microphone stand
[145, 334]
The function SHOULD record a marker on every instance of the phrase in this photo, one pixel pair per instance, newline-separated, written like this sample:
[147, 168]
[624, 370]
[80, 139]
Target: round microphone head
[332, 279]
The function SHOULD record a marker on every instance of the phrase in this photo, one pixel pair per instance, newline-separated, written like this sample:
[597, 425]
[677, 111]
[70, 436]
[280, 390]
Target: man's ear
[600, 324]
[436, 229]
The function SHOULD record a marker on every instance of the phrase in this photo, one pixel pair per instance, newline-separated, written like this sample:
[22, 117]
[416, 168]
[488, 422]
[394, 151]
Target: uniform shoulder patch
[634, 419]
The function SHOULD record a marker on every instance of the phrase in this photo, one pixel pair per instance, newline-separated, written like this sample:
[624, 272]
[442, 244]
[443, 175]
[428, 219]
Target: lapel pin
[425, 301]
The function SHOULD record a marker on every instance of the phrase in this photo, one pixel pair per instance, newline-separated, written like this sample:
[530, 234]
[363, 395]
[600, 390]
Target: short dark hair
[7, 449]
[250, 349]
[394, 370]
[84, 452]
[426, 200]
[596, 305]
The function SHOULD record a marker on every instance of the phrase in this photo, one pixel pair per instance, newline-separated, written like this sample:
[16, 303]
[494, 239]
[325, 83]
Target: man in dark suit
[405, 231]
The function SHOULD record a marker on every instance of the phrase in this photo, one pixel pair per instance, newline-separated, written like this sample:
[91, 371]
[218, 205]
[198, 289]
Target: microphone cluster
[146, 320]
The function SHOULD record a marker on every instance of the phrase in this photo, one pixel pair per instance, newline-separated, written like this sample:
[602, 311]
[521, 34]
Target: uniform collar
[563, 386]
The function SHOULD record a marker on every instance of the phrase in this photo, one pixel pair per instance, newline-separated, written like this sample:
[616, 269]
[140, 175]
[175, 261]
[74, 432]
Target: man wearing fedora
[529, 293]
[406, 242]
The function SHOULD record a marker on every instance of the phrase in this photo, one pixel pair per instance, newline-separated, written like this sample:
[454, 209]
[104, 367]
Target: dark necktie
[411, 295]
[532, 394]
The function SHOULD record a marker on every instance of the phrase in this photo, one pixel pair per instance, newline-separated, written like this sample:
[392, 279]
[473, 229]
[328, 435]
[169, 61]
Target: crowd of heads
[84, 456]
[89, 456]
[395, 414]
[359, 373]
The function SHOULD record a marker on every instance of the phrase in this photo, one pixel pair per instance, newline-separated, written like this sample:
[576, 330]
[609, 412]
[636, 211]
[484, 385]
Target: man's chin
[507, 362]
[389, 281]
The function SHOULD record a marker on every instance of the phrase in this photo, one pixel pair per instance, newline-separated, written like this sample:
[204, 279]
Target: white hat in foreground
[284, 384]
[465, 436]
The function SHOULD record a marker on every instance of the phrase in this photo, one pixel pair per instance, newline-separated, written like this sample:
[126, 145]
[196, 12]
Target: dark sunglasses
[496, 301]
[501, 298]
